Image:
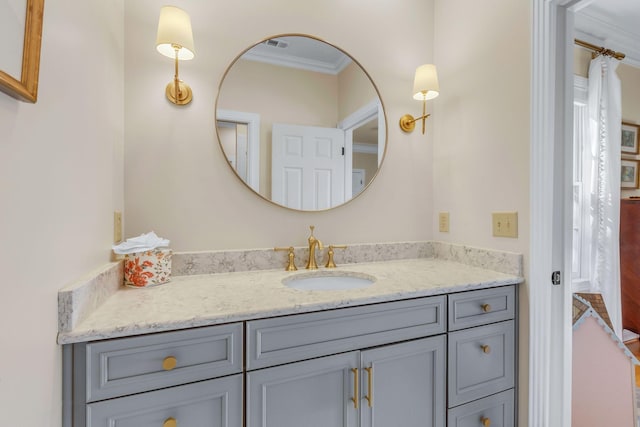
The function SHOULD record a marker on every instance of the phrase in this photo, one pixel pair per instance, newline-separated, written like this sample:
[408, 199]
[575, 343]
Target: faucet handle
[330, 262]
[291, 265]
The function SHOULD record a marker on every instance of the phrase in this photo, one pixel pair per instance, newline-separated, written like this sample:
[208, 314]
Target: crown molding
[283, 60]
[599, 30]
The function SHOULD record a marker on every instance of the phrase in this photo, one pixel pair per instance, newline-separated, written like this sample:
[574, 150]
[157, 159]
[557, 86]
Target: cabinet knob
[168, 364]
[486, 308]
[170, 422]
[486, 422]
[486, 349]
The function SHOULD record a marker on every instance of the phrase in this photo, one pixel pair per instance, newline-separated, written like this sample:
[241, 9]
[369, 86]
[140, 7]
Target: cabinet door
[404, 384]
[314, 393]
[213, 403]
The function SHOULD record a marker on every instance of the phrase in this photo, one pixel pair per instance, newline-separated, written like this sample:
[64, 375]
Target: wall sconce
[425, 86]
[175, 40]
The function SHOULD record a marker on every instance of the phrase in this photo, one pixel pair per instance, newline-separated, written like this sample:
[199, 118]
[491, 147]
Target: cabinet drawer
[205, 404]
[474, 308]
[132, 365]
[481, 362]
[287, 339]
[498, 409]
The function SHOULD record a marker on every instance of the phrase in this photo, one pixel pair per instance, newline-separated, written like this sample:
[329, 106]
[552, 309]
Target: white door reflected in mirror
[308, 167]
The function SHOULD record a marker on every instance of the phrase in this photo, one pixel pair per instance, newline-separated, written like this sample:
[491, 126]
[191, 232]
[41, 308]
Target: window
[580, 271]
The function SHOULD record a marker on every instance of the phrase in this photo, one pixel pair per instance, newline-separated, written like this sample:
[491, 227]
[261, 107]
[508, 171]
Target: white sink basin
[325, 281]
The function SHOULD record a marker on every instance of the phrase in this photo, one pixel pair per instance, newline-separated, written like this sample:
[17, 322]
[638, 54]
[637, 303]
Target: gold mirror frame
[26, 89]
[364, 71]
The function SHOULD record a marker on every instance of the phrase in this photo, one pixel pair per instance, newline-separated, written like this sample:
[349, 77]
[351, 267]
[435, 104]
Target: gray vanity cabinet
[363, 366]
[494, 410]
[213, 403]
[445, 360]
[482, 358]
[404, 384]
[313, 393]
[399, 384]
[191, 377]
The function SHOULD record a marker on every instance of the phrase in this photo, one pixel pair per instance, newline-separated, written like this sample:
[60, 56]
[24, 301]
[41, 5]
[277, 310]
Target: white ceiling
[300, 52]
[614, 24]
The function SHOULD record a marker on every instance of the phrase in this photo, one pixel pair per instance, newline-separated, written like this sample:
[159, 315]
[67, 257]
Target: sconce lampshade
[174, 29]
[425, 84]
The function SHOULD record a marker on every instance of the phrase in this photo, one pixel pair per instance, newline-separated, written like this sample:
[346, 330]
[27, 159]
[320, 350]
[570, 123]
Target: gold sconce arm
[178, 91]
[408, 122]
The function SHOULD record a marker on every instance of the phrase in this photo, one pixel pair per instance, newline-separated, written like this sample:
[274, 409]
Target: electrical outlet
[443, 222]
[505, 224]
[117, 227]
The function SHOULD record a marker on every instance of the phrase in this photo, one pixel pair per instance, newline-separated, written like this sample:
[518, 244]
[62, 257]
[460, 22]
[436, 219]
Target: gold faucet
[313, 243]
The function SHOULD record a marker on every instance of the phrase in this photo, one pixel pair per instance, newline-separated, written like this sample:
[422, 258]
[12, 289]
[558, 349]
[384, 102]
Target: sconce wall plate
[185, 95]
[407, 123]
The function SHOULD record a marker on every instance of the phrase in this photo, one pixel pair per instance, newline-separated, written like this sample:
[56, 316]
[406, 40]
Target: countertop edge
[153, 327]
[83, 299]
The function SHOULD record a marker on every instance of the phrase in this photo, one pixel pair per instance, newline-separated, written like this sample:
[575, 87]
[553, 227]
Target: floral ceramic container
[148, 268]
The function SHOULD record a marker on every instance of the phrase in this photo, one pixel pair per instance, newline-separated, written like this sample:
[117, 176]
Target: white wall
[61, 169]
[481, 126]
[177, 182]
[630, 82]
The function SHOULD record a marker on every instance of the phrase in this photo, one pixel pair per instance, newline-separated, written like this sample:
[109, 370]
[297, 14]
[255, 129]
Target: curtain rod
[599, 50]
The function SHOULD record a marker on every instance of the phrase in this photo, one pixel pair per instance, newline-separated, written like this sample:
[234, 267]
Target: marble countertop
[208, 299]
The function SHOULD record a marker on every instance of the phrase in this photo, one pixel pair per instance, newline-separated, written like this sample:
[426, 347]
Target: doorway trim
[252, 120]
[349, 124]
[550, 335]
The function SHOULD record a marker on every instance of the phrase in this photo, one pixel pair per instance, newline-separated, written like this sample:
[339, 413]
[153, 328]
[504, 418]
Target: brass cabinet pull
[356, 394]
[369, 395]
[486, 308]
[170, 422]
[486, 422]
[169, 363]
[486, 349]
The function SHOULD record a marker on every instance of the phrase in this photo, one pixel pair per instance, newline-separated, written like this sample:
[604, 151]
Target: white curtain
[605, 116]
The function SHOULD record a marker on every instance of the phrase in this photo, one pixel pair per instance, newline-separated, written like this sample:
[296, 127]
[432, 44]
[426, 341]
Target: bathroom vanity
[430, 343]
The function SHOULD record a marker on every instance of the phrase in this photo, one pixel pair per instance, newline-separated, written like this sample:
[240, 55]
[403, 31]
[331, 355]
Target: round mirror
[301, 123]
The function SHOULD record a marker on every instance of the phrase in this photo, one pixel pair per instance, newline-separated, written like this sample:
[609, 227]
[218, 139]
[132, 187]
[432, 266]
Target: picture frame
[629, 143]
[25, 86]
[629, 174]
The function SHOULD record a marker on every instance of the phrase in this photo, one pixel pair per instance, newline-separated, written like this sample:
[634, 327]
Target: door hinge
[343, 151]
[556, 278]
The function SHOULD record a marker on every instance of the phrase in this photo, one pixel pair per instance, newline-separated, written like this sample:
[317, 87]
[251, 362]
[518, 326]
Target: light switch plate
[117, 227]
[505, 224]
[443, 222]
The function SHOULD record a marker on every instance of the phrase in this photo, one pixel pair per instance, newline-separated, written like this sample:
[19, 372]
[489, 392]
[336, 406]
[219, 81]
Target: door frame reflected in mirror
[252, 121]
